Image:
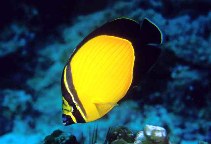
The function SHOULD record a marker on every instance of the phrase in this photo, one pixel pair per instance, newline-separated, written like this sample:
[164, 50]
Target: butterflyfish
[105, 65]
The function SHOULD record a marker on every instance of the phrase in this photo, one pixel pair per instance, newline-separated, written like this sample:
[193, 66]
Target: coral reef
[15, 104]
[36, 39]
[115, 135]
[152, 135]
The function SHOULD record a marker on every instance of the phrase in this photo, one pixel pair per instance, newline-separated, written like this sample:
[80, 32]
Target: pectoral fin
[104, 107]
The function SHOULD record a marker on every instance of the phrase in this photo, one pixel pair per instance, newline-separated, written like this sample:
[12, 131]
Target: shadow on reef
[44, 16]
[14, 65]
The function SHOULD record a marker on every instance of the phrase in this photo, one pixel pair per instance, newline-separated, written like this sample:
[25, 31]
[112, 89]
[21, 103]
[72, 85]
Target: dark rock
[59, 137]
[119, 133]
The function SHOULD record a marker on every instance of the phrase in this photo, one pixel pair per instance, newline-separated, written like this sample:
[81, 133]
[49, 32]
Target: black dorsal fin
[147, 55]
[120, 27]
[145, 39]
[150, 33]
[144, 62]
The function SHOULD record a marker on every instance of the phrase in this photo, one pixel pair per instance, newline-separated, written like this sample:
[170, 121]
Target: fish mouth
[67, 120]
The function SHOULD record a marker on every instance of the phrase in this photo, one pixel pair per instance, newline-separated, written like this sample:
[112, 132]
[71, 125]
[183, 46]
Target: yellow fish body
[104, 66]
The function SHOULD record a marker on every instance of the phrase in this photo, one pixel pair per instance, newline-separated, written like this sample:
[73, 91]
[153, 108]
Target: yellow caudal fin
[104, 107]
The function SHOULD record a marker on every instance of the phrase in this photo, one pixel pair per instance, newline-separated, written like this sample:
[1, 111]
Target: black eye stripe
[72, 88]
[71, 103]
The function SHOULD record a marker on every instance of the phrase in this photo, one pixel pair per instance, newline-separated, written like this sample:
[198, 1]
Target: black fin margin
[73, 90]
[144, 61]
[150, 39]
[150, 33]
[67, 120]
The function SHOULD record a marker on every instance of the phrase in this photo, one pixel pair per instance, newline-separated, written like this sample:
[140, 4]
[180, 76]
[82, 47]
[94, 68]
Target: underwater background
[37, 38]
